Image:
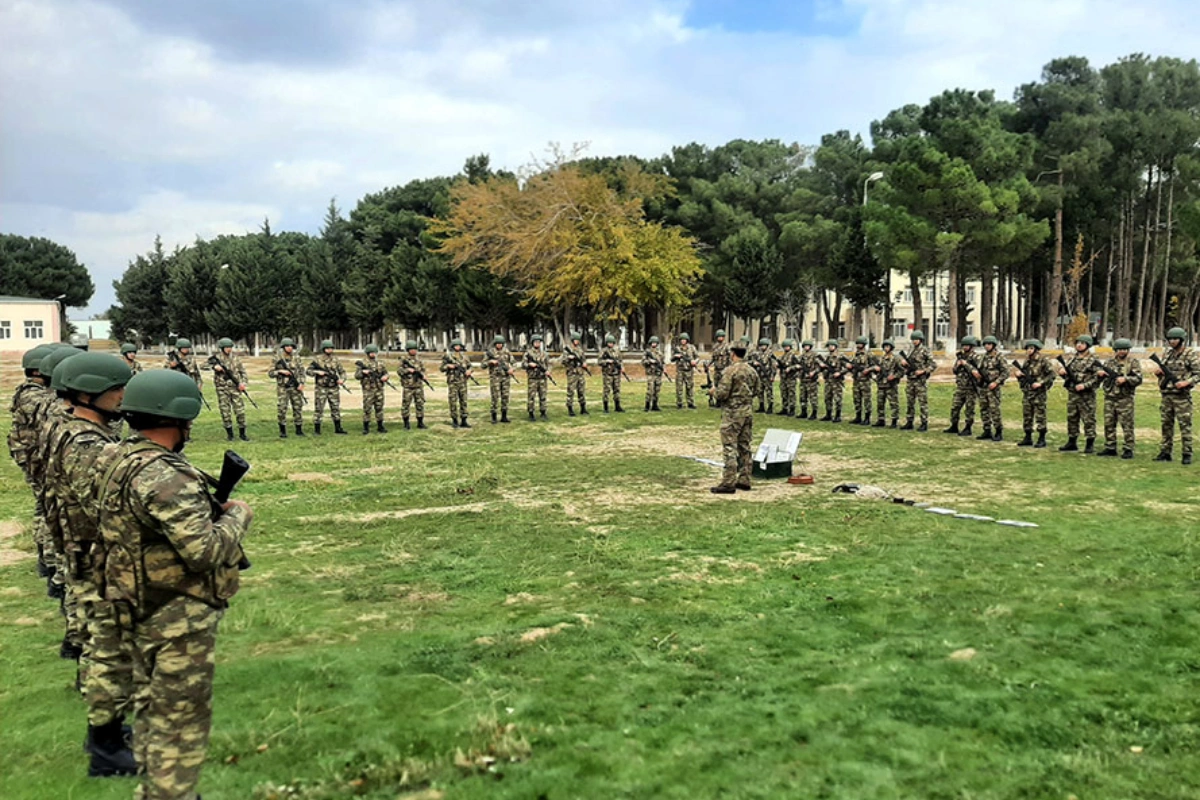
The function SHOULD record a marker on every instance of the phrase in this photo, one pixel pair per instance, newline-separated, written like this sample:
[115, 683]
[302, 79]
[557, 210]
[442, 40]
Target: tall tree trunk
[918, 305]
[1122, 324]
[953, 310]
[1051, 311]
[1138, 332]
[1162, 303]
[984, 310]
[1107, 288]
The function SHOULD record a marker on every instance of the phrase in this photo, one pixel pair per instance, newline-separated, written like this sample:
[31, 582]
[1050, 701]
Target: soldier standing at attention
[735, 395]
[288, 373]
[1122, 375]
[500, 374]
[655, 364]
[762, 361]
[810, 374]
[862, 364]
[537, 367]
[920, 366]
[887, 375]
[835, 382]
[412, 381]
[182, 360]
[1184, 366]
[993, 371]
[789, 365]
[686, 358]
[129, 354]
[1079, 376]
[330, 377]
[966, 387]
[170, 569]
[457, 366]
[372, 374]
[611, 370]
[229, 379]
[720, 361]
[21, 438]
[575, 360]
[1036, 380]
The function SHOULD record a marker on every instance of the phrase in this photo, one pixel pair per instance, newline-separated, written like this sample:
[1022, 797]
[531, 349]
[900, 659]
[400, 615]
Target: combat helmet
[327, 344]
[287, 341]
[720, 332]
[653, 340]
[1122, 344]
[537, 337]
[128, 347]
[410, 345]
[1177, 333]
[889, 343]
[371, 348]
[789, 342]
[576, 336]
[183, 344]
[744, 339]
[808, 343]
[992, 340]
[764, 341]
[1036, 344]
[917, 335]
[610, 339]
[455, 343]
[862, 340]
[1086, 339]
[969, 341]
[94, 373]
[33, 358]
[498, 339]
[51, 362]
[831, 343]
[224, 342]
[683, 337]
[162, 393]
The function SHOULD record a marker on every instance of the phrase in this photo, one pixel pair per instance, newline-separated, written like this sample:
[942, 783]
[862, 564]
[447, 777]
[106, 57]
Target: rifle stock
[233, 469]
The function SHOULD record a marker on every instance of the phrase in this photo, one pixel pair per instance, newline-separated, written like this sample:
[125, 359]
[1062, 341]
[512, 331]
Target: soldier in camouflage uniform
[834, 372]
[686, 359]
[288, 374]
[1079, 376]
[329, 376]
[229, 379]
[1184, 366]
[611, 369]
[129, 354]
[862, 367]
[966, 387]
[412, 381]
[181, 359]
[762, 361]
[720, 361]
[1121, 375]
[575, 360]
[810, 375]
[94, 384]
[171, 555]
[993, 371]
[735, 395]
[372, 375]
[789, 365]
[1036, 379]
[656, 365]
[500, 374]
[457, 366]
[25, 402]
[536, 364]
[888, 372]
[918, 365]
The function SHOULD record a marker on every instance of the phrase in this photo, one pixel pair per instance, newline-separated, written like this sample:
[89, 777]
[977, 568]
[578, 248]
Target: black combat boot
[828, 416]
[570, 411]
[837, 418]
[454, 422]
[895, 423]
[999, 437]
[379, 427]
[908, 425]
[366, 427]
[44, 570]
[952, 429]
[229, 434]
[421, 426]
[282, 431]
[761, 409]
[110, 753]
[1163, 456]
[1070, 446]
[1107, 452]
[605, 406]
[617, 407]
[407, 425]
[647, 409]
[493, 417]
[880, 423]
[299, 430]
[532, 418]
[1028, 440]
[1089, 445]
[857, 418]
[803, 414]
[924, 426]
[987, 433]
[337, 427]
[543, 414]
[1126, 454]
[1041, 440]
[866, 420]
[242, 433]
[463, 423]
[317, 428]
[68, 651]
[1186, 459]
[583, 408]
[967, 430]
[504, 417]
[692, 406]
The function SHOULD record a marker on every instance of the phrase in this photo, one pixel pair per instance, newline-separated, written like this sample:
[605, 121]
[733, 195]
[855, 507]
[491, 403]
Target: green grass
[786, 643]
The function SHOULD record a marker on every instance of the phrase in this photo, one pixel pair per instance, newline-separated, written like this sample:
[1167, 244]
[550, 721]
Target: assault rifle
[420, 373]
[322, 371]
[292, 381]
[1023, 377]
[1168, 379]
[905, 364]
[174, 363]
[233, 469]
[969, 370]
[1110, 378]
[215, 362]
[1072, 382]
[363, 366]
[545, 372]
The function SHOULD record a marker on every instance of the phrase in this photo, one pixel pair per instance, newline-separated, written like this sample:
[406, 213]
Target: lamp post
[887, 314]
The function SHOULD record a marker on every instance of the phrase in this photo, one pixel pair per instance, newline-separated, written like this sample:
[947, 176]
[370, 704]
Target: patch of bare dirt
[535, 634]
[523, 598]
[312, 477]
[374, 516]
[10, 529]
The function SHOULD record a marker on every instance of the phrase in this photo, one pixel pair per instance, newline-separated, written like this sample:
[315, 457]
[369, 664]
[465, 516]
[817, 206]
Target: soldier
[966, 387]
[330, 378]
[1121, 375]
[1036, 378]
[1079, 376]
[372, 374]
[735, 395]
[537, 366]
[288, 373]
[229, 379]
[762, 361]
[810, 374]
[834, 372]
[129, 354]
[170, 569]
[500, 375]
[457, 366]
[1182, 365]
[655, 364]
[27, 398]
[575, 360]
[789, 365]
[862, 365]
[720, 361]
[182, 360]
[918, 365]
[412, 381]
[686, 360]
[888, 372]
[94, 384]
[611, 370]
[993, 371]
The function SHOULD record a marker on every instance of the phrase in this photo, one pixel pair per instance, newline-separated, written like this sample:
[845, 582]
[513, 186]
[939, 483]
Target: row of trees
[1104, 164]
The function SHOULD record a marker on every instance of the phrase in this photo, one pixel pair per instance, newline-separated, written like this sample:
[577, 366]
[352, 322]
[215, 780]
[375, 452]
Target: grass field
[562, 610]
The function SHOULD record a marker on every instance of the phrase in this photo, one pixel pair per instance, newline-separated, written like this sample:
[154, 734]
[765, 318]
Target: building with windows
[26, 322]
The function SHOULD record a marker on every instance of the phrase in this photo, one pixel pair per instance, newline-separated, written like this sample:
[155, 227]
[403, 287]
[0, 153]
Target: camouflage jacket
[1081, 370]
[293, 364]
[1039, 371]
[889, 372]
[789, 364]
[52, 413]
[1184, 364]
[609, 360]
[332, 368]
[993, 367]
[685, 357]
[135, 366]
[499, 363]
[920, 360]
[371, 372]
[71, 515]
[809, 368]
[164, 536]
[739, 386]
[862, 365]
[762, 362]
[536, 363]
[456, 366]
[574, 359]
[26, 400]
[964, 365]
[835, 367]
[411, 371]
[654, 361]
[722, 356]
[231, 373]
[1127, 368]
[185, 364]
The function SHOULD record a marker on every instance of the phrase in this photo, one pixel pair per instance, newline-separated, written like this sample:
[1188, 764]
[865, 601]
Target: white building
[26, 322]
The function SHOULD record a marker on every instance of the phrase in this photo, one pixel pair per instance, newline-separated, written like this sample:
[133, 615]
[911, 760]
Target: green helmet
[287, 341]
[831, 343]
[54, 358]
[183, 344]
[327, 344]
[576, 335]
[1177, 333]
[33, 358]
[610, 339]
[1036, 344]
[224, 342]
[719, 333]
[128, 347]
[969, 341]
[889, 343]
[498, 340]
[371, 348]
[917, 336]
[764, 340]
[94, 373]
[683, 337]
[410, 345]
[743, 339]
[162, 393]
[537, 337]
[456, 343]
[789, 342]
[1088, 340]
[653, 340]
[862, 340]
[992, 340]
[808, 343]
[1122, 344]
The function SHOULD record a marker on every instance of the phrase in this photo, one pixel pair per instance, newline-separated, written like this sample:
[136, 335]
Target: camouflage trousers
[787, 395]
[285, 397]
[501, 388]
[457, 392]
[229, 401]
[716, 381]
[653, 388]
[990, 409]
[917, 398]
[766, 394]
[323, 395]
[372, 399]
[108, 676]
[1033, 409]
[1176, 408]
[535, 394]
[1118, 410]
[862, 397]
[173, 679]
[963, 403]
[76, 625]
[413, 396]
[737, 431]
[1081, 406]
[887, 394]
[685, 387]
[612, 387]
[810, 391]
[834, 390]
[576, 388]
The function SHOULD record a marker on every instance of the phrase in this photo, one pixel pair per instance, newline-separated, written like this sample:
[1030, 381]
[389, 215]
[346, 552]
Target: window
[33, 329]
[971, 295]
[899, 328]
[5, 329]
[908, 296]
[841, 330]
[929, 294]
[970, 329]
[943, 331]
[816, 331]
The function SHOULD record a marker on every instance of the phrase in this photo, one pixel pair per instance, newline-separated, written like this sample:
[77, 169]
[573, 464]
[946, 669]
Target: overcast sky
[122, 119]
